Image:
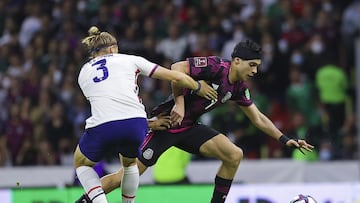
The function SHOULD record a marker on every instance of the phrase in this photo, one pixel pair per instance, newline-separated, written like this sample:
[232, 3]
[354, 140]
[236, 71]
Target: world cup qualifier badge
[247, 94]
[200, 62]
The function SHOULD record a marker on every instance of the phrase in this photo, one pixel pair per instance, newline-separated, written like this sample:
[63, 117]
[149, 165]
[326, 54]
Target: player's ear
[113, 49]
[237, 60]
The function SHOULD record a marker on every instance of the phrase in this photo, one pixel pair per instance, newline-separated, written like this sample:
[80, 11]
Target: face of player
[246, 69]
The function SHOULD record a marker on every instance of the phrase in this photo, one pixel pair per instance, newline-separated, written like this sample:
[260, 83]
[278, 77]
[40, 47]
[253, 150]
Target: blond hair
[97, 40]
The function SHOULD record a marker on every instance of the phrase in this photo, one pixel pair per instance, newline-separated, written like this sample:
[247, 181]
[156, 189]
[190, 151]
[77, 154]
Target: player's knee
[235, 156]
[238, 155]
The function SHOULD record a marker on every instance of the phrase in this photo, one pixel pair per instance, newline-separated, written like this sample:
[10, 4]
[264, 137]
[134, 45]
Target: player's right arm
[178, 111]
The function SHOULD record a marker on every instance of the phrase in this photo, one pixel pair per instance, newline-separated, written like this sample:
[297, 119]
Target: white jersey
[109, 82]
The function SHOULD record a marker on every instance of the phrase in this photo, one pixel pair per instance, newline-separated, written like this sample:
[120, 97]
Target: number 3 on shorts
[104, 69]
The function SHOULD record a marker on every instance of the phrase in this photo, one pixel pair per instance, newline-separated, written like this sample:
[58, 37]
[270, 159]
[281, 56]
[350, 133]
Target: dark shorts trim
[116, 137]
[159, 141]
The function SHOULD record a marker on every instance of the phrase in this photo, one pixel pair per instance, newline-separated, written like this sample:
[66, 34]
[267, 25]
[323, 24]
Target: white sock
[130, 184]
[90, 181]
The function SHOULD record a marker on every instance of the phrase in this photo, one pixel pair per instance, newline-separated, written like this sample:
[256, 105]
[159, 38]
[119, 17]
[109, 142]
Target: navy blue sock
[221, 189]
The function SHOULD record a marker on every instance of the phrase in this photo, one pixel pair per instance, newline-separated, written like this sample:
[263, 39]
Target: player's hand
[160, 122]
[177, 114]
[207, 91]
[300, 145]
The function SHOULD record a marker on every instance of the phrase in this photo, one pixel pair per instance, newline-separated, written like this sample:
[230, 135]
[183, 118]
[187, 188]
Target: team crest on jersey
[200, 62]
[247, 94]
[148, 154]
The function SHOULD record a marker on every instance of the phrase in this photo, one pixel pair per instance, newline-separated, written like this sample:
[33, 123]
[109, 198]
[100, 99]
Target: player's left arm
[267, 126]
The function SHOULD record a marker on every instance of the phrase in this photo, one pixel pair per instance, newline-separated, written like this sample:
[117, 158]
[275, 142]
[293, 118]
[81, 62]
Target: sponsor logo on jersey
[148, 154]
[226, 97]
[200, 62]
[247, 94]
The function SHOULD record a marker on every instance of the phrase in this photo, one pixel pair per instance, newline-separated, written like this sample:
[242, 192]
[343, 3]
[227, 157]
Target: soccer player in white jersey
[118, 119]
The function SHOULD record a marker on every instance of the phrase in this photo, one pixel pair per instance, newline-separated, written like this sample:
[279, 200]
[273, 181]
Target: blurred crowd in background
[306, 82]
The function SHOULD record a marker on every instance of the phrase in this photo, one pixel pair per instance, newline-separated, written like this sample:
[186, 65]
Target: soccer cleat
[83, 199]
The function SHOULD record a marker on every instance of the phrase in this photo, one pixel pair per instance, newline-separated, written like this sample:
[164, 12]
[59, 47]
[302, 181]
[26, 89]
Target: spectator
[148, 50]
[348, 149]
[238, 35]
[350, 27]
[173, 47]
[300, 131]
[4, 157]
[130, 44]
[59, 131]
[31, 24]
[301, 97]
[314, 55]
[332, 84]
[10, 33]
[18, 133]
[202, 47]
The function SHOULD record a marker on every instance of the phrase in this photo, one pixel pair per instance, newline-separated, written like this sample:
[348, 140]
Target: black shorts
[159, 141]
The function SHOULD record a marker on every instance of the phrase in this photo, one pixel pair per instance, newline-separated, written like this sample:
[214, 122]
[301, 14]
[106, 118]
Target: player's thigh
[195, 137]
[80, 159]
[155, 144]
[222, 148]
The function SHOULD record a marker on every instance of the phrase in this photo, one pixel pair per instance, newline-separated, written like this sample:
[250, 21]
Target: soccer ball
[303, 199]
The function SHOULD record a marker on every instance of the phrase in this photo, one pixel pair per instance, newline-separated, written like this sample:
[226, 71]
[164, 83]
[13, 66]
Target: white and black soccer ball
[303, 199]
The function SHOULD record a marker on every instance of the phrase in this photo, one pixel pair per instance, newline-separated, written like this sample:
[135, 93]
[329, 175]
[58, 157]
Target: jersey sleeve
[146, 67]
[204, 68]
[243, 97]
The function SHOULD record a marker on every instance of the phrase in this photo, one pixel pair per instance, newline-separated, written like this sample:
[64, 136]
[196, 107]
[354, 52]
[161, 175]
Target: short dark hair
[247, 50]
